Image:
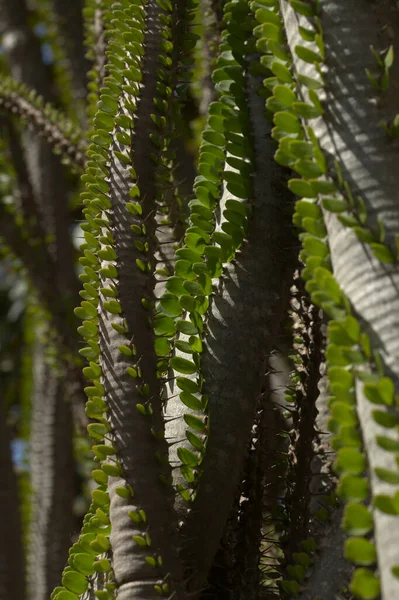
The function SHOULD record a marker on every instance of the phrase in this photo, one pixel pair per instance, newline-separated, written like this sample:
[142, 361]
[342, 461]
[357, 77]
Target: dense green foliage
[233, 176]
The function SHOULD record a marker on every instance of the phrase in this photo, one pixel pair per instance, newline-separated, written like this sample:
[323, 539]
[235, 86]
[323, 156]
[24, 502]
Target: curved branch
[350, 132]
[16, 99]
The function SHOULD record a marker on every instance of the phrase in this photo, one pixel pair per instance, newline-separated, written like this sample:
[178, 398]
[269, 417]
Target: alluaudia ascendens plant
[239, 307]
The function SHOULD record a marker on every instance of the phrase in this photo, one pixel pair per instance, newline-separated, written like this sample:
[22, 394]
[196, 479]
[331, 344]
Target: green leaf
[75, 582]
[164, 325]
[182, 365]
[187, 457]
[387, 443]
[309, 82]
[280, 71]
[301, 149]
[315, 247]
[305, 110]
[308, 209]
[360, 551]
[382, 392]
[353, 488]
[307, 168]
[383, 253]
[296, 572]
[385, 419]
[195, 441]
[315, 227]
[65, 595]
[284, 95]
[194, 422]
[303, 8]
[112, 306]
[287, 122]
[386, 504]
[100, 477]
[350, 460]
[186, 327]
[301, 188]
[100, 497]
[307, 55]
[84, 563]
[388, 59]
[343, 413]
[302, 558]
[170, 305]
[365, 584]
[187, 385]
[263, 15]
[191, 401]
[334, 205]
[162, 346]
[387, 475]
[357, 519]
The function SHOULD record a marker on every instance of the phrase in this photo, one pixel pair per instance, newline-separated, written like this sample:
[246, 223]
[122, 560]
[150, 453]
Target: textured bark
[69, 19]
[52, 479]
[22, 52]
[243, 321]
[133, 438]
[12, 573]
[330, 572]
[350, 132]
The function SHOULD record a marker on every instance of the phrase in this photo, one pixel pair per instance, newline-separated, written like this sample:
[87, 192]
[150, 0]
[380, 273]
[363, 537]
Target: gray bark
[241, 328]
[350, 132]
[52, 479]
[22, 52]
[132, 433]
[68, 14]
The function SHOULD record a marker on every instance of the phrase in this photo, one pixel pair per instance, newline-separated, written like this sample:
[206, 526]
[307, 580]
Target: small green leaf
[112, 306]
[281, 71]
[187, 385]
[309, 82]
[182, 365]
[84, 563]
[307, 208]
[365, 584]
[187, 457]
[301, 188]
[360, 551]
[386, 504]
[75, 582]
[191, 401]
[388, 59]
[303, 8]
[286, 121]
[387, 443]
[170, 305]
[284, 95]
[387, 475]
[100, 497]
[353, 488]
[194, 422]
[334, 205]
[350, 460]
[357, 519]
[194, 440]
[383, 253]
[308, 55]
[305, 110]
[301, 149]
[66, 595]
[315, 247]
[385, 419]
